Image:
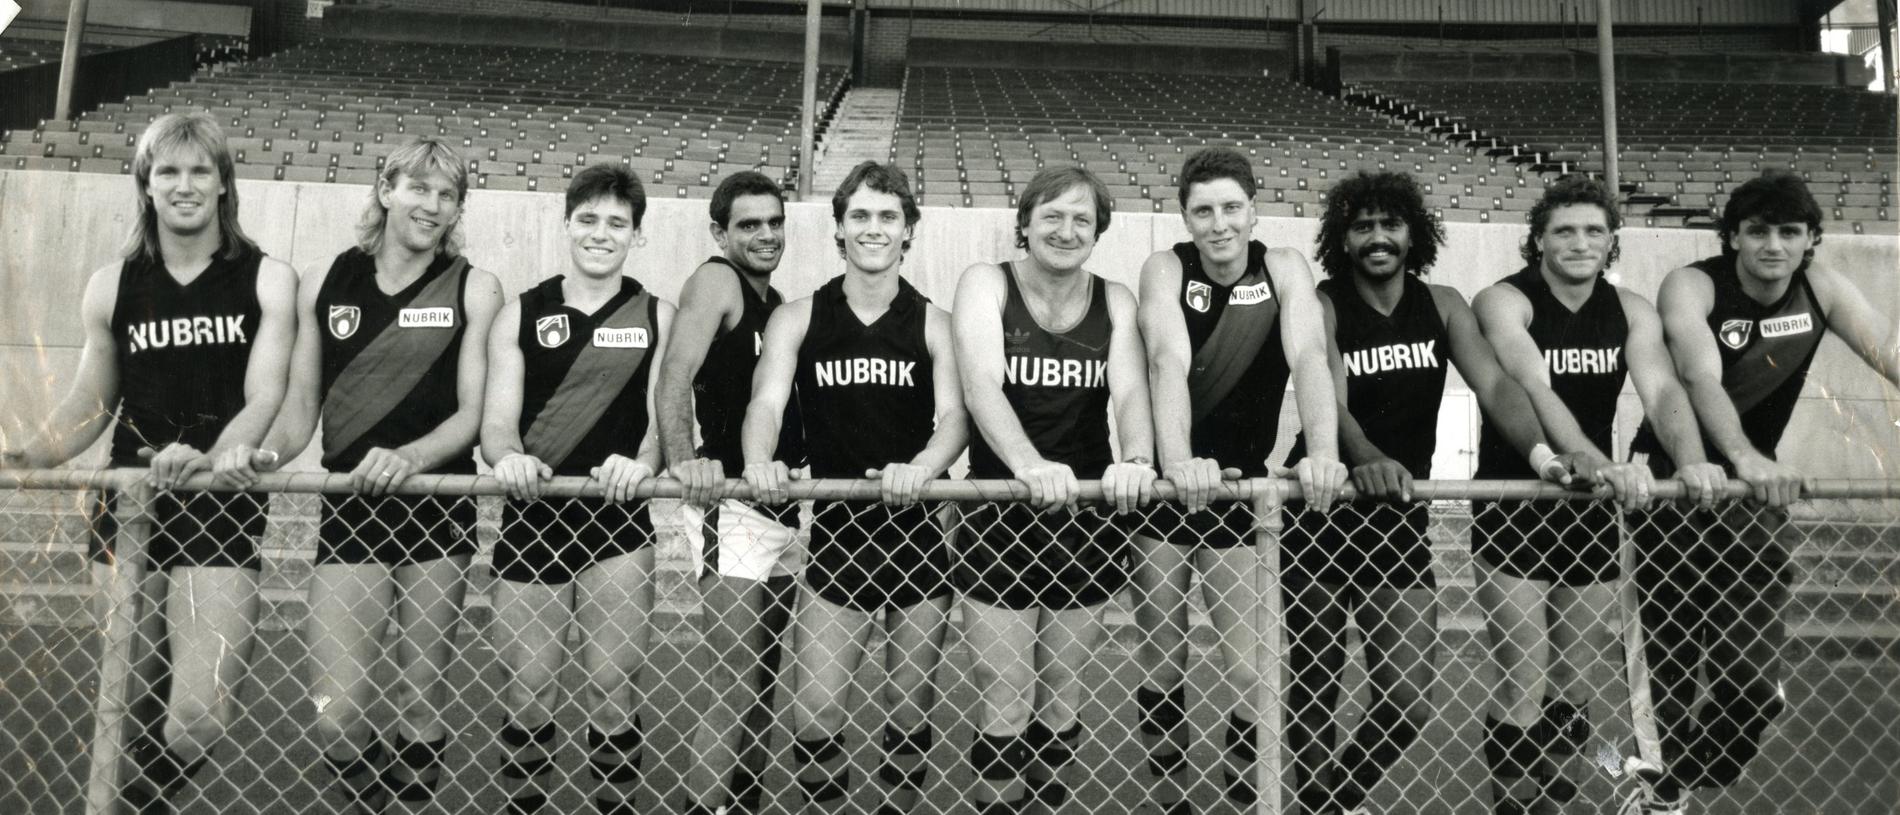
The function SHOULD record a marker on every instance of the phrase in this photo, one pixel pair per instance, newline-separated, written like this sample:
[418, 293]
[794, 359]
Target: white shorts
[739, 539]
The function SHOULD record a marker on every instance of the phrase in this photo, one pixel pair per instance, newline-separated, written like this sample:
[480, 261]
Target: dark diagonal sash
[595, 380]
[387, 369]
[1228, 352]
[1753, 377]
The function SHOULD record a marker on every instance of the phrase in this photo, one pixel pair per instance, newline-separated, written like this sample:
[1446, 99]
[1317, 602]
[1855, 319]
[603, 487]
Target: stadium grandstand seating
[1682, 144]
[330, 110]
[23, 52]
[973, 137]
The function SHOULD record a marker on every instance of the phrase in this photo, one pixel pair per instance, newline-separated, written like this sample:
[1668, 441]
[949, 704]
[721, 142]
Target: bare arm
[1164, 333]
[296, 420]
[1854, 319]
[501, 404]
[650, 453]
[771, 390]
[1504, 401]
[1686, 299]
[1128, 485]
[1654, 375]
[977, 326]
[709, 303]
[1504, 317]
[953, 425]
[1303, 336]
[86, 409]
[266, 370]
[706, 303]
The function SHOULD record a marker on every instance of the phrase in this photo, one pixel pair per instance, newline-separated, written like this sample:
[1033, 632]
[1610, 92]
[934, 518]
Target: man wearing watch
[1227, 322]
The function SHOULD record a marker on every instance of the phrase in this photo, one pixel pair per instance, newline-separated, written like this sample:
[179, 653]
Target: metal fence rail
[73, 664]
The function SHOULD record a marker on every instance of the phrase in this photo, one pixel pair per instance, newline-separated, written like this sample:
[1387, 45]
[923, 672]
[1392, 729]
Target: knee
[530, 685]
[905, 685]
[340, 720]
[197, 721]
[608, 681]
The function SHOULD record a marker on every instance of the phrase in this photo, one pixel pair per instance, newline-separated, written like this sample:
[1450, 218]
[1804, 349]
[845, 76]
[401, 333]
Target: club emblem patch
[344, 320]
[1735, 333]
[552, 331]
[1199, 295]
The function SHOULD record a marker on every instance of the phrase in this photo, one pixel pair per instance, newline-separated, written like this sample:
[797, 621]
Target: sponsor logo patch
[553, 331]
[1198, 296]
[1786, 326]
[1250, 295]
[438, 317]
[344, 320]
[635, 337]
[1735, 333]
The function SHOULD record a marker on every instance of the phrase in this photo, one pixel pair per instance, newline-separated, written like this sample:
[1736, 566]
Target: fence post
[120, 613]
[1635, 660]
[1267, 497]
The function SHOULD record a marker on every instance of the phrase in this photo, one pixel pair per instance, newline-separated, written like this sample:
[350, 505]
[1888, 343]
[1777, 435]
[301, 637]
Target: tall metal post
[126, 637]
[69, 59]
[1271, 701]
[807, 162]
[1883, 15]
[1606, 69]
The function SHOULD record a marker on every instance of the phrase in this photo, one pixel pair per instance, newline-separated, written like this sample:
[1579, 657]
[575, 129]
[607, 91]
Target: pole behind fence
[119, 614]
[1635, 662]
[1269, 665]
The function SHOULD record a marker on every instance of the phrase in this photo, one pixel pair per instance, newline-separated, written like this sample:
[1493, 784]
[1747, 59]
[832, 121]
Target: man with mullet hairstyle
[391, 355]
[1743, 327]
[1371, 560]
[168, 331]
[747, 552]
[1227, 322]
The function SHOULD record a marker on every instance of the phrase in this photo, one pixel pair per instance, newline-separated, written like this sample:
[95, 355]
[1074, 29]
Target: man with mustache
[1371, 559]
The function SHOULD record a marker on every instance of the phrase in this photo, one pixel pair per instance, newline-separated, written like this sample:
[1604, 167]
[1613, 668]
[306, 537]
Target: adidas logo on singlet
[863, 371]
[1056, 373]
[1582, 360]
[179, 332]
[1392, 357]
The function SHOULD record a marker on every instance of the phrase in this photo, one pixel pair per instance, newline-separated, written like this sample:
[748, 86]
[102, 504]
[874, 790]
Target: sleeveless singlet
[1395, 370]
[1583, 353]
[867, 387]
[1057, 385]
[355, 311]
[181, 351]
[553, 335]
[1241, 429]
[723, 387]
[1766, 350]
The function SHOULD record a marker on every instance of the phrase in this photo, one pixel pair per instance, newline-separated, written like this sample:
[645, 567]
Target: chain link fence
[531, 684]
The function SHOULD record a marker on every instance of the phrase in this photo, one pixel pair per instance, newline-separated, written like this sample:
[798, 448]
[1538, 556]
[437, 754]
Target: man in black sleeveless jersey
[747, 553]
[193, 301]
[1547, 570]
[877, 388]
[1045, 349]
[569, 394]
[1227, 322]
[1743, 327]
[1371, 560]
[391, 355]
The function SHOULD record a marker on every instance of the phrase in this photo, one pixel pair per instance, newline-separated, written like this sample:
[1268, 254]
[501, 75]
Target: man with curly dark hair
[1547, 570]
[1370, 559]
[1743, 327]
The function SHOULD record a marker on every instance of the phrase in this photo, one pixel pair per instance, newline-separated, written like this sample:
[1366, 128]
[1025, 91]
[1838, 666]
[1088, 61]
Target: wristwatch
[1141, 460]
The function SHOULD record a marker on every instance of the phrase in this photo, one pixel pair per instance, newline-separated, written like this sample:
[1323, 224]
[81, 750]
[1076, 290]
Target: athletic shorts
[740, 539]
[1020, 559]
[549, 541]
[1734, 545]
[1565, 543]
[868, 556]
[188, 529]
[394, 530]
[1222, 525]
[1363, 544]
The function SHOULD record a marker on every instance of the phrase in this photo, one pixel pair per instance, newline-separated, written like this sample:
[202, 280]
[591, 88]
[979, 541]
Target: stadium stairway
[861, 131]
